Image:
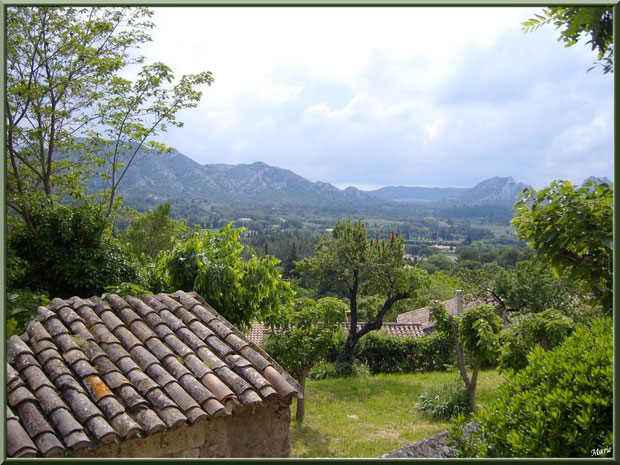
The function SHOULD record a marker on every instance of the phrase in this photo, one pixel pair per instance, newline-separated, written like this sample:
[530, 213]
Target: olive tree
[354, 265]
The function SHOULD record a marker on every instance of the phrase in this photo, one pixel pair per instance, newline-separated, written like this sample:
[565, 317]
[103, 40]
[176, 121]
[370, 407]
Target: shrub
[73, 253]
[560, 405]
[444, 402]
[383, 353]
[21, 308]
[211, 263]
[547, 329]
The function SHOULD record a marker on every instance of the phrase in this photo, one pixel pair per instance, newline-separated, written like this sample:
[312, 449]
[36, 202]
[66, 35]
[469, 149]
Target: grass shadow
[308, 441]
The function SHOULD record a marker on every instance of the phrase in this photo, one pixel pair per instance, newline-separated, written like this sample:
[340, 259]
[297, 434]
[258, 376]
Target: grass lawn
[368, 417]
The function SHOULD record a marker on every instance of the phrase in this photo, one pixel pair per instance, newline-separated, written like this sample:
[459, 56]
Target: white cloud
[370, 95]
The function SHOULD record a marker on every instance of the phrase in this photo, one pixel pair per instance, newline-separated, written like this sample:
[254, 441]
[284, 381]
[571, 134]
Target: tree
[289, 264]
[211, 264]
[152, 232]
[545, 329]
[571, 228]
[73, 253]
[437, 262]
[65, 94]
[531, 288]
[560, 405]
[298, 340]
[354, 264]
[574, 22]
[475, 333]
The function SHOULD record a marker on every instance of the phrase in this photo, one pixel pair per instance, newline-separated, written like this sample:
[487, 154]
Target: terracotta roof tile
[92, 371]
[18, 442]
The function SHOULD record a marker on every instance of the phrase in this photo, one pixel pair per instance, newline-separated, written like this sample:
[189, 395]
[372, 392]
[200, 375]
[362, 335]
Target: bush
[21, 308]
[73, 253]
[546, 329]
[328, 370]
[383, 353]
[444, 402]
[211, 263]
[560, 405]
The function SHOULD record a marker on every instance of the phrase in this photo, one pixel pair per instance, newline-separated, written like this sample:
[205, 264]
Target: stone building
[152, 376]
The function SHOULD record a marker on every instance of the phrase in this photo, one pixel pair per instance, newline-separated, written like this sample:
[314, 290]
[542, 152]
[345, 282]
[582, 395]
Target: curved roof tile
[91, 371]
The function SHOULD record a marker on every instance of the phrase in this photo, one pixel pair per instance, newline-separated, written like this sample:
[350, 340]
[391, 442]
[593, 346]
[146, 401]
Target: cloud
[379, 96]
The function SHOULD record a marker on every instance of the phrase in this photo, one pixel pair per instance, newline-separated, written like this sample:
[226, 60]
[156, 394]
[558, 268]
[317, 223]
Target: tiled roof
[259, 330]
[404, 329]
[394, 329]
[90, 372]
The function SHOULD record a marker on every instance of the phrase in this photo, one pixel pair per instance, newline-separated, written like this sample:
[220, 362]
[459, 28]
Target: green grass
[368, 417]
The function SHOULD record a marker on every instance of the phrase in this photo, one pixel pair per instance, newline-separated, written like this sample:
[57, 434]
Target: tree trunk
[301, 403]
[460, 356]
[351, 342]
[471, 386]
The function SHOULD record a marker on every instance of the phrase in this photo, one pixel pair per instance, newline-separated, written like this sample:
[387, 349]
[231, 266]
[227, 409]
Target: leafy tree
[571, 228]
[210, 263]
[298, 340]
[469, 253]
[355, 264]
[545, 329]
[531, 287]
[151, 232]
[73, 253]
[289, 264]
[595, 22]
[21, 308]
[65, 94]
[437, 262]
[475, 334]
[560, 405]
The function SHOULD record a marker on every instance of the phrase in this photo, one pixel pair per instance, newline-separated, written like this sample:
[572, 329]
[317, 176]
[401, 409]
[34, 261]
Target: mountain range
[170, 176]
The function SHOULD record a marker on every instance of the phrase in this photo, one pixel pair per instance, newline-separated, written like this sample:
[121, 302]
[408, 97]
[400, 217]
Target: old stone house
[152, 376]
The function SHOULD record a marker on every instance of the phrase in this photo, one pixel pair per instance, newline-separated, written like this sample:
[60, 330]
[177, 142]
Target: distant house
[259, 331]
[421, 316]
[149, 376]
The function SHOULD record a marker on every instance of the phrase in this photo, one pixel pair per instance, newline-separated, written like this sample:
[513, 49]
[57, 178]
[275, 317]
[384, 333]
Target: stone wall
[262, 431]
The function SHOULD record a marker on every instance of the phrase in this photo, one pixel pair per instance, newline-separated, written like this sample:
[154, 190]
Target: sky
[377, 96]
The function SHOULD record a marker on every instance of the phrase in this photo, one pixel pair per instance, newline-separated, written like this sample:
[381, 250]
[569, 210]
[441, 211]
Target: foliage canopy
[571, 228]
[595, 22]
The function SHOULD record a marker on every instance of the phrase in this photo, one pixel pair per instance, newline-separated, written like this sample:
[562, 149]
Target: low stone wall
[435, 446]
[262, 431]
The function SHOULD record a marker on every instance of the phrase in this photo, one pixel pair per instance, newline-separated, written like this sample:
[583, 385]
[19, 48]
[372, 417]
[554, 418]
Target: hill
[493, 191]
[161, 177]
[156, 178]
[417, 194]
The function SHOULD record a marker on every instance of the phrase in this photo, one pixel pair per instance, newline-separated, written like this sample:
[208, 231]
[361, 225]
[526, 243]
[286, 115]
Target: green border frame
[303, 3]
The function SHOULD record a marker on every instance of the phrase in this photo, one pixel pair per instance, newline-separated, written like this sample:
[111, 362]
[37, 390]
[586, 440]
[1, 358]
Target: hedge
[384, 353]
[559, 405]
